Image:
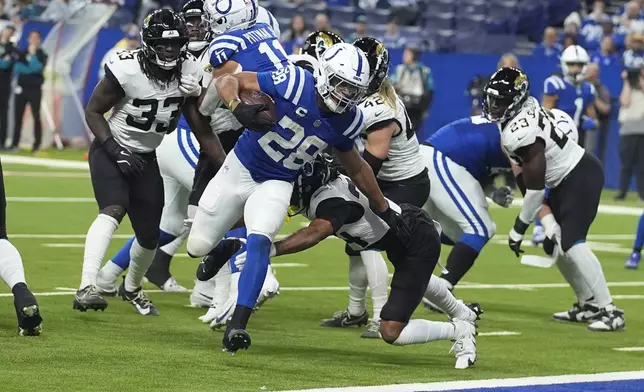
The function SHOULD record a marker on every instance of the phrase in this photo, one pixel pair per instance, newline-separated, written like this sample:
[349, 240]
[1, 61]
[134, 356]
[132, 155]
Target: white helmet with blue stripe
[574, 61]
[228, 15]
[342, 78]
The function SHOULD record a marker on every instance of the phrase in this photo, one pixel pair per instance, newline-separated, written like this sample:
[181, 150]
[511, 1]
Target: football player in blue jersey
[575, 96]
[256, 181]
[462, 158]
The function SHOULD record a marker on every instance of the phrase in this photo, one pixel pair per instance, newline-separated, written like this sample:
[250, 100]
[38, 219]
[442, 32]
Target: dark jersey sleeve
[335, 210]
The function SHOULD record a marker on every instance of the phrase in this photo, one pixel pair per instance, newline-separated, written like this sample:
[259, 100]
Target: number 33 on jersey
[148, 110]
[302, 129]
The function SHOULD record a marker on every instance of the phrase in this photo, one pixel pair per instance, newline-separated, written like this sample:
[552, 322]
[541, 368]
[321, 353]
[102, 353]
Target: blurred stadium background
[459, 41]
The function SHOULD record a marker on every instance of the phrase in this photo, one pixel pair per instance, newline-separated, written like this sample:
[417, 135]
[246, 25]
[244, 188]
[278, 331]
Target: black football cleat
[236, 339]
[89, 298]
[476, 308]
[343, 319]
[27, 311]
[139, 300]
[217, 258]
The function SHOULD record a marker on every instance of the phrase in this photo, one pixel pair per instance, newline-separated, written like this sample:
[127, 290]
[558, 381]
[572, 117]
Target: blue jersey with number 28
[301, 131]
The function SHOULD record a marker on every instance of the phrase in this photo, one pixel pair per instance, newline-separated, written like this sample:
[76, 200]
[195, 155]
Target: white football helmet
[342, 78]
[573, 63]
[228, 15]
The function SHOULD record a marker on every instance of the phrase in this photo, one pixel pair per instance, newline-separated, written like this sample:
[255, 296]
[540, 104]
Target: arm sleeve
[550, 86]
[334, 210]
[355, 119]
[222, 49]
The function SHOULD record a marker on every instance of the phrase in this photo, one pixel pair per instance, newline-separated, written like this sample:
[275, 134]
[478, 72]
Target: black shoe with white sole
[89, 298]
[139, 300]
[343, 319]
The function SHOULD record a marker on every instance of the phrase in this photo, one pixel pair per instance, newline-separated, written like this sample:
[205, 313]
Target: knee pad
[476, 242]
[116, 212]
[350, 251]
[198, 246]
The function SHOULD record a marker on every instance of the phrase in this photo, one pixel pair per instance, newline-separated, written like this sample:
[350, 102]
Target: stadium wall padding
[452, 73]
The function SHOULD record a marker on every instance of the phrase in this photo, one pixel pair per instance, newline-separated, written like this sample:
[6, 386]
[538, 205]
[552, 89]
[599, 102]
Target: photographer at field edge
[29, 72]
[631, 132]
[8, 55]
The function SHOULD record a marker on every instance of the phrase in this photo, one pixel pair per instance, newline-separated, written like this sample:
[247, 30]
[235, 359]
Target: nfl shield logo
[317, 123]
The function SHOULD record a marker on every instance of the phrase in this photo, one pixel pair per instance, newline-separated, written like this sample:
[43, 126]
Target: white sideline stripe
[63, 245]
[491, 383]
[628, 296]
[609, 209]
[343, 288]
[65, 289]
[629, 349]
[499, 333]
[45, 174]
[32, 161]
[52, 199]
[62, 236]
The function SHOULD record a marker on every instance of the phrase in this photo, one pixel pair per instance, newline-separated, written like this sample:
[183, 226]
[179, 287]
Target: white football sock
[97, 241]
[110, 272]
[172, 247]
[11, 269]
[575, 279]
[423, 331]
[591, 270]
[378, 277]
[357, 286]
[221, 282]
[438, 294]
[140, 260]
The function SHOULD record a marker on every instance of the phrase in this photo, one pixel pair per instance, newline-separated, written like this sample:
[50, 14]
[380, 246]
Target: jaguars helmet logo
[208, 68]
[520, 80]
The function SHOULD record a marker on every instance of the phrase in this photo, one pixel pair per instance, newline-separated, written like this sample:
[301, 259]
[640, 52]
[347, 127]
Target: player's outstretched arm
[305, 238]
[377, 146]
[362, 176]
[106, 94]
[200, 127]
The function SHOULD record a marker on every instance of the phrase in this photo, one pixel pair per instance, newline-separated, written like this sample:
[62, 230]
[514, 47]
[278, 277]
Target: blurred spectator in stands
[414, 84]
[631, 132]
[130, 42]
[549, 47]
[3, 12]
[606, 55]
[29, 71]
[297, 29]
[570, 35]
[596, 141]
[634, 55]
[622, 9]
[404, 11]
[8, 55]
[392, 38]
[322, 22]
[631, 20]
[360, 29]
[336, 3]
[591, 26]
[59, 10]
[509, 60]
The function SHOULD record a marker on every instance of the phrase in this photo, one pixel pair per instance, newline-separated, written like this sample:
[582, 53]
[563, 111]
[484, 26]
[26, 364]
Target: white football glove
[190, 86]
[503, 196]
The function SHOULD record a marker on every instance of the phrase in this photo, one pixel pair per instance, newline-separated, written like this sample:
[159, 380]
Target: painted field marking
[63, 245]
[65, 289]
[597, 246]
[51, 199]
[499, 333]
[47, 162]
[10, 173]
[629, 349]
[490, 383]
[628, 296]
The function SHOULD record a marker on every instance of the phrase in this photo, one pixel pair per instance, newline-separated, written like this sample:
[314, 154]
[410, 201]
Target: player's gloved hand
[129, 163]
[552, 231]
[516, 236]
[239, 258]
[190, 86]
[503, 196]
[247, 115]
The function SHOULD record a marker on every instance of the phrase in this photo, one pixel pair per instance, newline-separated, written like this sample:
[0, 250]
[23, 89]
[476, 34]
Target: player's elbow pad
[531, 204]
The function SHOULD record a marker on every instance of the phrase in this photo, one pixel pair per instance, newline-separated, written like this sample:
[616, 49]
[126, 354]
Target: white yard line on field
[499, 333]
[628, 296]
[627, 349]
[344, 288]
[46, 162]
[10, 173]
[490, 383]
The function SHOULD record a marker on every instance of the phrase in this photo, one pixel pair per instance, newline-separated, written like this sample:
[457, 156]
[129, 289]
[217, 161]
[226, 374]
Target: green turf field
[120, 350]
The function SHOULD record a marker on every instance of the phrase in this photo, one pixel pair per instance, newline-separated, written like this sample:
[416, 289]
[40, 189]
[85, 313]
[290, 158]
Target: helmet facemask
[338, 93]
[575, 72]
[198, 32]
[165, 52]
[498, 108]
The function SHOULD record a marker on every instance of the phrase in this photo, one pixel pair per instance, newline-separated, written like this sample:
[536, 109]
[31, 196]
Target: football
[258, 97]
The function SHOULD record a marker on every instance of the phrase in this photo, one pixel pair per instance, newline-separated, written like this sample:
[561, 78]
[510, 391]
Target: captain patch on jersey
[149, 109]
